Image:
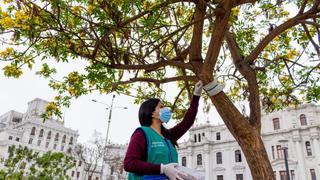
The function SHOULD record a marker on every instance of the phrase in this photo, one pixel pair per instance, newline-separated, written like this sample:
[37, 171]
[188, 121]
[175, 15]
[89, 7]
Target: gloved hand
[198, 88]
[171, 172]
[214, 87]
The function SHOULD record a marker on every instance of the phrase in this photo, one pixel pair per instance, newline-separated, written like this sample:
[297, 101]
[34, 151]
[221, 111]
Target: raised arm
[188, 119]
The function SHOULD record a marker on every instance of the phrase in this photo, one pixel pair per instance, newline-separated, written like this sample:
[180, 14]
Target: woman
[151, 150]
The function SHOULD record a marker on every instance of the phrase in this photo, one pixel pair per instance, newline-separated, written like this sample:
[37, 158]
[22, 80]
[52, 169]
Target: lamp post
[109, 107]
[284, 145]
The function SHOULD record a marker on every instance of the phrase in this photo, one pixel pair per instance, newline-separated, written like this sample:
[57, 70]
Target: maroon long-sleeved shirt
[135, 160]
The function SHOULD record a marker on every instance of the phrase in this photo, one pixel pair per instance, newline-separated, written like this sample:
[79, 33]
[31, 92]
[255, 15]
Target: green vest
[160, 151]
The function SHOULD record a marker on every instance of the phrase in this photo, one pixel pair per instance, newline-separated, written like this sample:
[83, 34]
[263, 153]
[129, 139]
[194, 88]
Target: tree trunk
[248, 137]
[256, 156]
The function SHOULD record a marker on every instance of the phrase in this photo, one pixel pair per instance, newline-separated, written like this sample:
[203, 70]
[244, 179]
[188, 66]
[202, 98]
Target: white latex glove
[198, 88]
[171, 172]
[214, 87]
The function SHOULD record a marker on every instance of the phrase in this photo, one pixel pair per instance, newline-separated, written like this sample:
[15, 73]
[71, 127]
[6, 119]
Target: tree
[264, 50]
[91, 154]
[24, 163]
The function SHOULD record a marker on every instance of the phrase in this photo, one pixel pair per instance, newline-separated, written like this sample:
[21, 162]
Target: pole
[109, 120]
[286, 162]
[102, 177]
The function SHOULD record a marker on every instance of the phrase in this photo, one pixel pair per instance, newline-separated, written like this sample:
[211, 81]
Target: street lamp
[284, 145]
[109, 107]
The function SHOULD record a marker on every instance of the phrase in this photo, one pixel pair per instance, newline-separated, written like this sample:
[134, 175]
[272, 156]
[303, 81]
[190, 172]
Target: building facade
[213, 150]
[29, 129]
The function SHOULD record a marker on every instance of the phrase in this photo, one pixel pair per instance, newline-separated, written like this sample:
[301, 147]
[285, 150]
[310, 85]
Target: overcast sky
[83, 114]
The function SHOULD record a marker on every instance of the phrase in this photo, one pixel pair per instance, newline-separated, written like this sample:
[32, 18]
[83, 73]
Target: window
[272, 149]
[293, 175]
[89, 177]
[30, 141]
[78, 174]
[219, 177]
[283, 175]
[72, 173]
[47, 144]
[80, 163]
[279, 152]
[33, 131]
[308, 148]
[199, 137]
[55, 146]
[195, 138]
[239, 176]
[62, 148]
[69, 150]
[219, 157]
[56, 137]
[184, 161]
[199, 159]
[276, 123]
[313, 174]
[203, 134]
[17, 139]
[97, 178]
[16, 120]
[218, 136]
[41, 133]
[10, 137]
[39, 142]
[303, 120]
[237, 154]
[64, 139]
[49, 135]
[71, 140]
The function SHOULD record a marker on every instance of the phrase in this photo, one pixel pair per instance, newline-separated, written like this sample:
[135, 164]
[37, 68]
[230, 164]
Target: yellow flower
[6, 52]
[292, 53]
[7, 22]
[235, 11]
[76, 9]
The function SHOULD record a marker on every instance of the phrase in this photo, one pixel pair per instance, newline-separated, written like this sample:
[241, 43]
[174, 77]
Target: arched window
[303, 120]
[49, 135]
[199, 159]
[237, 154]
[71, 140]
[64, 139]
[199, 137]
[308, 148]
[219, 157]
[33, 131]
[184, 161]
[56, 138]
[41, 133]
[195, 138]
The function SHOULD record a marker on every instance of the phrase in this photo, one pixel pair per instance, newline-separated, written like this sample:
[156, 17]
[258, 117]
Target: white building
[29, 129]
[212, 149]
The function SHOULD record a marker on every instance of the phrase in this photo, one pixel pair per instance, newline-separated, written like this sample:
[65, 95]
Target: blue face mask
[165, 114]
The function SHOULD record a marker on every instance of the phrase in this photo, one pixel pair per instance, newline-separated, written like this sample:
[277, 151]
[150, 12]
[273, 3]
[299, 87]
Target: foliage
[124, 42]
[23, 162]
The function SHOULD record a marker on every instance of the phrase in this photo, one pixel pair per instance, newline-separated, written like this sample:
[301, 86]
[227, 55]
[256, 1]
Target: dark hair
[145, 117]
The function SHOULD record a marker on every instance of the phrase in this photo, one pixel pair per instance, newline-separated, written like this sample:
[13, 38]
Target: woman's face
[156, 114]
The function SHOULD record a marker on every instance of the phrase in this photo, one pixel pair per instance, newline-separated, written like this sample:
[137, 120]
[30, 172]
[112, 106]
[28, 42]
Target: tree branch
[156, 81]
[315, 45]
[223, 12]
[250, 75]
[277, 31]
[196, 42]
